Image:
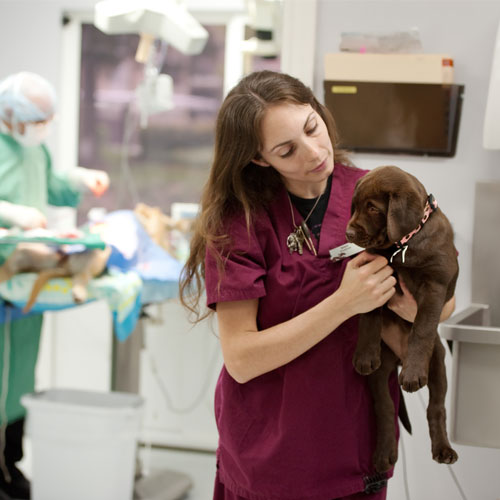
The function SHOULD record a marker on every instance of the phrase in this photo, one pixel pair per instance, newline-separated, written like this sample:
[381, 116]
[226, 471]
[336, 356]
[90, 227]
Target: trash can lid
[112, 400]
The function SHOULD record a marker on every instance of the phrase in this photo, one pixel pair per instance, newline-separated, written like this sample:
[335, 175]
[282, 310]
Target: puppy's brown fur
[387, 204]
[48, 263]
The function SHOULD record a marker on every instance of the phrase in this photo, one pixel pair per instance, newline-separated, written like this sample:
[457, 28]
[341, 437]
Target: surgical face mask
[34, 134]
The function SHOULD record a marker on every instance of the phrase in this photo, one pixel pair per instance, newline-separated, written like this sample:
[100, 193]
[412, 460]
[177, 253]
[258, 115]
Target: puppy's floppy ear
[404, 212]
[355, 196]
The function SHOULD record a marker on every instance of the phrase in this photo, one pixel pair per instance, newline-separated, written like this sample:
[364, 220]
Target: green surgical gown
[27, 178]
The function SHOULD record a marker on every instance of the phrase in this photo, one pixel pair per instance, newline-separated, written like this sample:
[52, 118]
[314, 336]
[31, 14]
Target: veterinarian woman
[295, 420]
[27, 185]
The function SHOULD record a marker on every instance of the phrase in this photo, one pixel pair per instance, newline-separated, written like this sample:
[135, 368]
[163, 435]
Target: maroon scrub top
[305, 430]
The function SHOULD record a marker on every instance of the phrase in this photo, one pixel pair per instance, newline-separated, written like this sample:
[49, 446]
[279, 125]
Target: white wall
[467, 31]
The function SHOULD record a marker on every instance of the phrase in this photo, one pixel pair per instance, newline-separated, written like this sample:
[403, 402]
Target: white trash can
[83, 444]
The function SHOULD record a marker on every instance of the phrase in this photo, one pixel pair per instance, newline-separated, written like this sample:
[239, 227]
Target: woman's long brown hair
[235, 183]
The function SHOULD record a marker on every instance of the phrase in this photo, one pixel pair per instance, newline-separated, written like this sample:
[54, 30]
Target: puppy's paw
[445, 455]
[79, 294]
[384, 459]
[366, 362]
[412, 379]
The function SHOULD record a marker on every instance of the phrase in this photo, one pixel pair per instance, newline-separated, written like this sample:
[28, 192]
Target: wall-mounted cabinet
[412, 118]
[394, 103]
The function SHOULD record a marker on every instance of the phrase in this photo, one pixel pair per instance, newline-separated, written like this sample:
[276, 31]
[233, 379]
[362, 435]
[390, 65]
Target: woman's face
[296, 143]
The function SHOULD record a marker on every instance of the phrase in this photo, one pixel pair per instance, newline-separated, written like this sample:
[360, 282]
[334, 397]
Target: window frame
[297, 56]
[229, 13]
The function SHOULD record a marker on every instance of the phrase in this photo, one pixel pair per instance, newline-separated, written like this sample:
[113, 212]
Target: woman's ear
[258, 160]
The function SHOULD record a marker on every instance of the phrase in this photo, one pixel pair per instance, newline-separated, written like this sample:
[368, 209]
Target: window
[169, 160]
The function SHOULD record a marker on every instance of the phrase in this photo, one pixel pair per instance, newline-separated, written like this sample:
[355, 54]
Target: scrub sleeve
[307, 429]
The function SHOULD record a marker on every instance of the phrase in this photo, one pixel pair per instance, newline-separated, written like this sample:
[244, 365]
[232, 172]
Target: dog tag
[345, 250]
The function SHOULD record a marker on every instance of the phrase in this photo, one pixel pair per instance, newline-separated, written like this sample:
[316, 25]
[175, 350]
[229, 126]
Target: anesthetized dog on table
[392, 215]
[49, 263]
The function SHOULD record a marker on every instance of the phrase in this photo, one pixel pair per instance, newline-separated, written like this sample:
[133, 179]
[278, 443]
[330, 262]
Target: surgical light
[264, 16]
[164, 19]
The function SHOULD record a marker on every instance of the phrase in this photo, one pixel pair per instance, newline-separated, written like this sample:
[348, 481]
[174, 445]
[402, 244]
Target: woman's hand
[367, 283]
[404, 305]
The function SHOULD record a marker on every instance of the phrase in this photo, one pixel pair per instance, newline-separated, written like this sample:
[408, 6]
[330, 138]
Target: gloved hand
[22, 216]
[95, 180]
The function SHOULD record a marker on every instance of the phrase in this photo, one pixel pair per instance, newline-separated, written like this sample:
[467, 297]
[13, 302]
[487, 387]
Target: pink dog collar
[402, 245]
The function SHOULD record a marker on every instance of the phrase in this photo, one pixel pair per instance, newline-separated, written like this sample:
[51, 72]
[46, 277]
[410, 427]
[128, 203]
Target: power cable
[450, 470]
[201, 394]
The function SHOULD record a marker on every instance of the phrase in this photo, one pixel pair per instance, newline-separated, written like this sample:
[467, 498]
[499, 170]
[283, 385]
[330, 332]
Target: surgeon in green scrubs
[28, 184]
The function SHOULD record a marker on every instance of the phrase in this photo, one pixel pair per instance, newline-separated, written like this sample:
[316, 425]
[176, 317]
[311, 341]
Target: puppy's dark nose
[350, 234]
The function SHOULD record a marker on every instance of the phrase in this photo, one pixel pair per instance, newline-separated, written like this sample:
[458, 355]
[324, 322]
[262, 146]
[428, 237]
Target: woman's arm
[367, 283]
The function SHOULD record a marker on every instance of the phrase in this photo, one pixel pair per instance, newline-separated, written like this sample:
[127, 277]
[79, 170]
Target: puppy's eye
[372, 209]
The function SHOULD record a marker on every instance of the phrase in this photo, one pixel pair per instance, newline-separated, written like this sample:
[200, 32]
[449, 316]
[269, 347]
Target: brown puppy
[50, 263]
[393, 215]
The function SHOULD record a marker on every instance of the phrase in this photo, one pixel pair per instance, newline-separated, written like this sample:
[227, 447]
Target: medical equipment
[475, 333]
[264, 16]
[159, 23]
[164, 20]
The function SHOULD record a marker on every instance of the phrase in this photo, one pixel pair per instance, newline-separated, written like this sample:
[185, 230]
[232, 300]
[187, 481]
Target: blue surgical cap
[26, 97]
